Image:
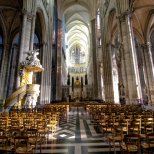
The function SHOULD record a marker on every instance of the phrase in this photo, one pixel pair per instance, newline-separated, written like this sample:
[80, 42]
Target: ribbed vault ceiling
[77, 29]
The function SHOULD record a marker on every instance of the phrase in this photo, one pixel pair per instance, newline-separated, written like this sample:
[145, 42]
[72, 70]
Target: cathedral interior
[77, 76]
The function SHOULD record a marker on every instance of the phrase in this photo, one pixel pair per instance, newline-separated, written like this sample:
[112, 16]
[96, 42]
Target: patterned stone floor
[76, 134]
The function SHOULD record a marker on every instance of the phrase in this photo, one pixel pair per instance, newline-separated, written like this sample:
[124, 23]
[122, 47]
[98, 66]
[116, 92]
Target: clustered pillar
[94, 54]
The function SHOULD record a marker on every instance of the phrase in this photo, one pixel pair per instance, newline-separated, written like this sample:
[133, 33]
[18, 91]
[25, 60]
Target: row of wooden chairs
[22, 130]
[20, 141]
[122, 124]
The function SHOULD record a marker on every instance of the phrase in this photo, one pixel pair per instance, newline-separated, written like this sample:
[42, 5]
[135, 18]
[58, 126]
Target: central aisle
[76, 134]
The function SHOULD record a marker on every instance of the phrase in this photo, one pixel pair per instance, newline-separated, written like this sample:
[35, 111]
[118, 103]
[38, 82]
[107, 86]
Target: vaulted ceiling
[77, 15]
[142, 9]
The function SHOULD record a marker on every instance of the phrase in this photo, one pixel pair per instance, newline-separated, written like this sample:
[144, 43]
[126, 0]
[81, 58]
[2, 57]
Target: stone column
[44, 78]
[23, 33]
[49, 59]
[25, 38]
[101, 82]
[94, 54]
[32, 32]
[147, 55]
[4, 73]
[59, 62]
[130, 73]
[116, 51]
[108, 84]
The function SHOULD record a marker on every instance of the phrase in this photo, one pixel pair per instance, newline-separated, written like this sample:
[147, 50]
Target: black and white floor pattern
[76, 134]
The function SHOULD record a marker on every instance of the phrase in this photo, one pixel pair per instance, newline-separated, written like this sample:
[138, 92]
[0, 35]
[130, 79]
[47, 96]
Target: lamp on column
[81, 82]
[86, 80]
[68, 79]
[72, 83]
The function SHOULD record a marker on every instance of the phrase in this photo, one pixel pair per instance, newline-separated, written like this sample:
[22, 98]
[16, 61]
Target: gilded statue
[31, 59]
[30, 65]
[77, 82]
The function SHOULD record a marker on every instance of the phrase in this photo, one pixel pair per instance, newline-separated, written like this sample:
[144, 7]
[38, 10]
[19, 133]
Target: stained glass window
[77, 56]
[36, 41]
[1, 48]
[152, 44]
[14, 64]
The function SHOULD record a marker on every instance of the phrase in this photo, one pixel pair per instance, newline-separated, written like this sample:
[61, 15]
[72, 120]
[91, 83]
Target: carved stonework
[46, 4]
[29, 15]
[146, 46]
[32, 95]
[122, 16]
[32, 63]
[149, 44]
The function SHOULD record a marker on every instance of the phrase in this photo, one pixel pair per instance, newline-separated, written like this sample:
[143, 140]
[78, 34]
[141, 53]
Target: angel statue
[31, 59]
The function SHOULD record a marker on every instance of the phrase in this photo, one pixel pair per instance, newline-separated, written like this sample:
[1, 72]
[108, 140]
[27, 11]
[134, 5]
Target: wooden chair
[108, 128]
[4, 144]
[148, 145]
[134, 128]
[116, 137]
[34, 138]
[131, 143]
[42, 129]
[15, 123]
[4, 123]
[2, 132]
[22, 146]
[12, 133]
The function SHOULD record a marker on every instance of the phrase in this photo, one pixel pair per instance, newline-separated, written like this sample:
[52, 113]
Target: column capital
[117, 46]
[109, 44]
[30, 15]
[44, 43]
[59, 20]
[93, 19]
[149, 44]
[7, 46]
[123, 15]
[146, 45]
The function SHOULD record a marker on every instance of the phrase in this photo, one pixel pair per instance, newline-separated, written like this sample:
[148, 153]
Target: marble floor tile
[76, 134]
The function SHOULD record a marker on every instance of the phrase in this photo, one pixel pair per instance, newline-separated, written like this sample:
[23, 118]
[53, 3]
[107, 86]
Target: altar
[77, 91]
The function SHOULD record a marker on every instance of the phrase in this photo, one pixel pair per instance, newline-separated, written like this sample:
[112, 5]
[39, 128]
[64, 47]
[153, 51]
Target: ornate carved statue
[68, 79]
[30, 65]
[28, 101]
[122, 93]
[31, 59]
[121, 89]
[77, 82]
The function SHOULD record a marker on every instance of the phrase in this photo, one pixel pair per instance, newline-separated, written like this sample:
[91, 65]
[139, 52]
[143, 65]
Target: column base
[151, 102]
[109, 100]
[132, 101]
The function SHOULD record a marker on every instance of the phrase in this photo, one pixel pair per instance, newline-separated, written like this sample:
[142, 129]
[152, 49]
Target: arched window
[14, 64]
[36, 45]
[73, 57]
[82, 57]
[115, 71]
[98, 19]
[140, 69]
[77, 56]
[99, 42]
[1, 49]
[36, 41]
[152, 45]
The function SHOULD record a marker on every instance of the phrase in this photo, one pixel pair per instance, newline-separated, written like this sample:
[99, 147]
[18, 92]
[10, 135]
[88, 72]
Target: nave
[77, 134]
[78, 128]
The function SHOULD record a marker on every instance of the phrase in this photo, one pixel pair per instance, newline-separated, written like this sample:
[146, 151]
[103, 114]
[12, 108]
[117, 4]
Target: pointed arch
[14, 56]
